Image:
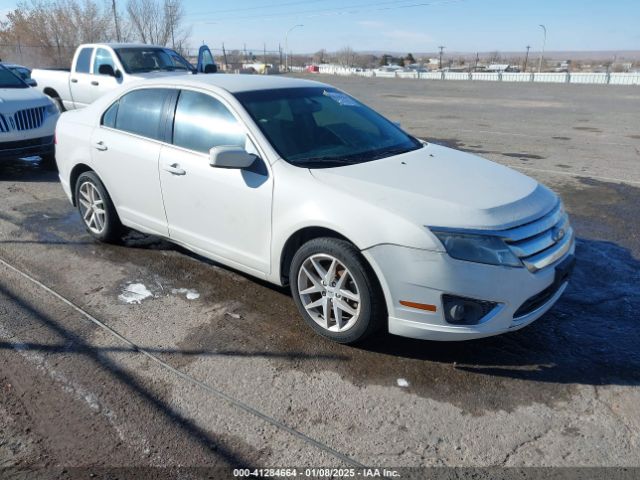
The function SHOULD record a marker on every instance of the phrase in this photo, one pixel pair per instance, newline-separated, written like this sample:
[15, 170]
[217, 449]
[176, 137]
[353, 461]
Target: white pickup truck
[100, 67]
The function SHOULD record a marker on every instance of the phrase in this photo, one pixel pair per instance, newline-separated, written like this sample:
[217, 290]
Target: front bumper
[422, 276]
[41, 146]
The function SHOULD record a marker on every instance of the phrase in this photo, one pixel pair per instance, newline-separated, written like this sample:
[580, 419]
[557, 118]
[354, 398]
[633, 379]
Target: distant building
[564, 66]
[502, 67]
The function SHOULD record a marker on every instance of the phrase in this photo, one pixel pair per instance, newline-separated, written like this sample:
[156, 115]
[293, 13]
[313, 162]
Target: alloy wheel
[92, 208]
[329, 293]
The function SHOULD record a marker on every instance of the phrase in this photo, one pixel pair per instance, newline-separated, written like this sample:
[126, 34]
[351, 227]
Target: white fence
[544, 77]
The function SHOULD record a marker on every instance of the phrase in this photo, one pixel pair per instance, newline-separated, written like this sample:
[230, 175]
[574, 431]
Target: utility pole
[224, 54]
[526, 59]
[440, 62]
[171, 7]
[115, 19]
[544, 42]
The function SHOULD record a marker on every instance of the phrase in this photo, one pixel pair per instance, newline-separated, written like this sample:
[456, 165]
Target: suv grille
[4, 125]
[28, 118]
[541, 242]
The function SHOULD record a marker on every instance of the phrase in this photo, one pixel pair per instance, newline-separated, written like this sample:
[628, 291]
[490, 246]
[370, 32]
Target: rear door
[125, 151]
[80, 78]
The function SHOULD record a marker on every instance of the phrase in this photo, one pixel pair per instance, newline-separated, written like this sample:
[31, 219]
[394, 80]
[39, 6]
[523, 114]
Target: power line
[260, 7]
[347, 10]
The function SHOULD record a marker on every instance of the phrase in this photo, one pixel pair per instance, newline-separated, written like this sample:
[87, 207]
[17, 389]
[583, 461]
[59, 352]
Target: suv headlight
[52, 108]
[477, 248]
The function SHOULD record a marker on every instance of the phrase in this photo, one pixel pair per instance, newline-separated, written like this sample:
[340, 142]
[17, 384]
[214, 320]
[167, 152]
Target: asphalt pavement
[145, 355]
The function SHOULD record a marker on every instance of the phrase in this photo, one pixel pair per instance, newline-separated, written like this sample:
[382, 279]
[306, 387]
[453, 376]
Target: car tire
[96, 209]
[316, 290]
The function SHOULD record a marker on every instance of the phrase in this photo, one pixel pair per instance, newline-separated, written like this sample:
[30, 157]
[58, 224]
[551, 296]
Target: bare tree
[346, 56]
[47, 32]
[319, 56]
[158, 22]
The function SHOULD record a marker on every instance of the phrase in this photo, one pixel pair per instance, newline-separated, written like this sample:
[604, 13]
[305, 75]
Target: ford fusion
[300, 184]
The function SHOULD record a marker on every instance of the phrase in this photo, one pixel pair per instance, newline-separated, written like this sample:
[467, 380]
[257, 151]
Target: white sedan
[299, 184]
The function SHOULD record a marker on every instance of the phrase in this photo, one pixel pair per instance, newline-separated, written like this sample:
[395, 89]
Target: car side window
[103, 57]
[202, 122]
[139, 112]
[109, 117]
[84, 60]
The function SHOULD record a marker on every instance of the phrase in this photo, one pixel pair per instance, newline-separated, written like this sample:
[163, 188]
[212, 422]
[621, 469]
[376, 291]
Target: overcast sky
[417, 25]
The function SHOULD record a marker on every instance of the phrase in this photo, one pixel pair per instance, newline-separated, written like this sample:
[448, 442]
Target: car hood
[439, 186]
[12, 99]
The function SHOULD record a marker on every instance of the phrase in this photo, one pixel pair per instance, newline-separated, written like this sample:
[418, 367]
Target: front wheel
[96, 209]
[336, 291]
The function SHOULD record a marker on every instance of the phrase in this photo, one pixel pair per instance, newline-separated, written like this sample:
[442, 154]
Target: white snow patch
[402, 382]
[187, 292]
[134, 293]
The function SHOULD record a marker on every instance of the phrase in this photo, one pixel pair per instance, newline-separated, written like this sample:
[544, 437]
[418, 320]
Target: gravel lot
[563, 392]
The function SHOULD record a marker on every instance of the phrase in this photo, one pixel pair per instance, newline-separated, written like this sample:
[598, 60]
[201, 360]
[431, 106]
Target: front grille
[29, 118]
[4, 126]
[541, 242]
[538, 300]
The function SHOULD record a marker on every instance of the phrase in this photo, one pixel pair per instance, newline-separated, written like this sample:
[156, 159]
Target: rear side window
[202, 122]
[139, 112]
[109, 117]
[84, 60]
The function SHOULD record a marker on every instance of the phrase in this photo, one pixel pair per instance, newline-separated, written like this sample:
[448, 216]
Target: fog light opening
[465, 311]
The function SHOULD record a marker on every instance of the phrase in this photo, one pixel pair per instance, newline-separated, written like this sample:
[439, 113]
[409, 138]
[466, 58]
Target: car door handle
[74, 80]
[175, 169]
[95, 83]
[100, 146]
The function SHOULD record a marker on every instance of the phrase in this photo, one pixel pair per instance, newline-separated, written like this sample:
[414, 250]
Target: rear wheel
[96, 209]
[336, 291]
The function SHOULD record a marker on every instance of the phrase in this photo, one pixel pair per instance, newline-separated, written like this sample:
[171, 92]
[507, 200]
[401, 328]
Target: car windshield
[320, 127]
[140, 60]
[9, 80]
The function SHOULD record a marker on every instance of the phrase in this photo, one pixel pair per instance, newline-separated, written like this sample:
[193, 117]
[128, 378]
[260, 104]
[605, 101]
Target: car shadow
[27, 170]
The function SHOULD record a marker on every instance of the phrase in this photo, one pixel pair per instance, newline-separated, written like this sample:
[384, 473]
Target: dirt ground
[231, 377]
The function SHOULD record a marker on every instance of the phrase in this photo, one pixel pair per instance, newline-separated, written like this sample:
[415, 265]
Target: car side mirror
[118, 74]
[210, 68]
[230, 157]
[31, 82]
[106, 70]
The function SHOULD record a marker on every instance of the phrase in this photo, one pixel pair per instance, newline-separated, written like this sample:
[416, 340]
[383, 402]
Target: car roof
[120, 45]
[235, 83]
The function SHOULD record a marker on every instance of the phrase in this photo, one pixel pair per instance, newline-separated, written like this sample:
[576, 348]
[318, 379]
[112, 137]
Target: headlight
[477, 248]
[52, 108]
